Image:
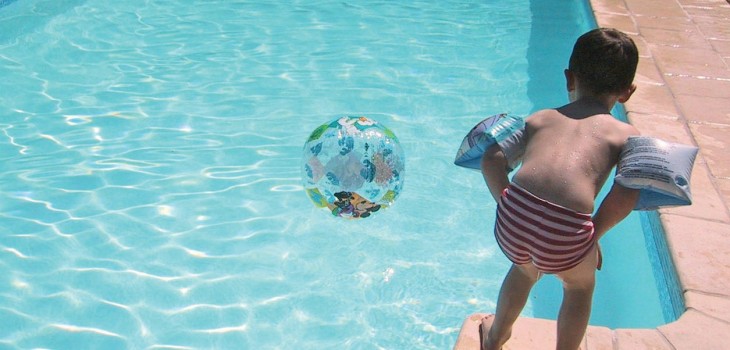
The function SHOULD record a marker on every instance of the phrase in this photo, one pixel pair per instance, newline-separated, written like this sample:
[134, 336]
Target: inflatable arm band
[502, 129]
[661, 170]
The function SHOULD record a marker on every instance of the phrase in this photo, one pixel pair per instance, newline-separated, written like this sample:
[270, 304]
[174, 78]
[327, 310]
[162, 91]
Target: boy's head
[604, 61]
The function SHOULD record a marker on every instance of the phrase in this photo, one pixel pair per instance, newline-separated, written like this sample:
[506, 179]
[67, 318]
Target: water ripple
[150, 192]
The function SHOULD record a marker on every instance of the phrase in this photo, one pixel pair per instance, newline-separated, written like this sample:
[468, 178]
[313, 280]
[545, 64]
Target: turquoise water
[150, 191]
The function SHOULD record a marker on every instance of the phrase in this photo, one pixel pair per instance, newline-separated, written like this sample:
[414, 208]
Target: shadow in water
[555, 27]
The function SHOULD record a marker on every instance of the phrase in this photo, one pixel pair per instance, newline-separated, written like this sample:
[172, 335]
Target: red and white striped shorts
[531, 229]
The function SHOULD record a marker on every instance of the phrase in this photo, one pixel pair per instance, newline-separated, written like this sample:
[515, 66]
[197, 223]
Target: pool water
[150, 188]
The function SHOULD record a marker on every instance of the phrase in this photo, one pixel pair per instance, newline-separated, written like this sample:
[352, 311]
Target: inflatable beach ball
[353, 167]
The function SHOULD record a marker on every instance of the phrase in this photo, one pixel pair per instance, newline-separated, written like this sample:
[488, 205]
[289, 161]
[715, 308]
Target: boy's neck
[606, 101]
[597, 104]
[585, 107]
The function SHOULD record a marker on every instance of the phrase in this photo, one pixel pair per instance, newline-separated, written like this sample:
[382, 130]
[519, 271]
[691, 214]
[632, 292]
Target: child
[544, 222]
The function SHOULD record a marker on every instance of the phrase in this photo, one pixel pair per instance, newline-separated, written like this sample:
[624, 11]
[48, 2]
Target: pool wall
[665, 273]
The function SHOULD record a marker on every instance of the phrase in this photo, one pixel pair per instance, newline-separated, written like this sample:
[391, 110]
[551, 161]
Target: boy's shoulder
[544, 114]
[546, 117]
[629, 129]
[562, 116]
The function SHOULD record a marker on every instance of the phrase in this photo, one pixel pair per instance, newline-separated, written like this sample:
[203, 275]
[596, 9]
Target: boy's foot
[484, 331]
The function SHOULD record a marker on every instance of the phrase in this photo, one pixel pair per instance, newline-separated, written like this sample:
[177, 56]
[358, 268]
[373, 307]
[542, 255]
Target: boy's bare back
[570, 152]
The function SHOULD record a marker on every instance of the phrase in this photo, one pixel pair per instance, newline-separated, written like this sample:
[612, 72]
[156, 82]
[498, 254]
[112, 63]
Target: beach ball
[353, 167]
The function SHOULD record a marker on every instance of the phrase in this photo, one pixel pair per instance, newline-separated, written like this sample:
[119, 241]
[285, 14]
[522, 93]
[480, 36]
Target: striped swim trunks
[531, 229]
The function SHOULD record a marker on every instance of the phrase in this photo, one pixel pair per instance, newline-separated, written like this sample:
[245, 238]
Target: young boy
[544, 222]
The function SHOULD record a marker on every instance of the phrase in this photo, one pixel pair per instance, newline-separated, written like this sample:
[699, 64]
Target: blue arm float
[505, 130]
[661, 170]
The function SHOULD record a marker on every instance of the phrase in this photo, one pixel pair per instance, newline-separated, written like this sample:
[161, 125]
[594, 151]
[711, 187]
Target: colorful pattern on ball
[353, 166]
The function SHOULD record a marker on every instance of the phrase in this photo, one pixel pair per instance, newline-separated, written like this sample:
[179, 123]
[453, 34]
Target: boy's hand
[619, 202]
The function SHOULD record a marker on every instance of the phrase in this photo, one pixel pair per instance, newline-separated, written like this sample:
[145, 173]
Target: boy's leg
[578, 285]
[512, 298]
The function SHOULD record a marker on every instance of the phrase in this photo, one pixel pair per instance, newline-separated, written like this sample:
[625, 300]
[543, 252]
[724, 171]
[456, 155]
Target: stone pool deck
[683, 96]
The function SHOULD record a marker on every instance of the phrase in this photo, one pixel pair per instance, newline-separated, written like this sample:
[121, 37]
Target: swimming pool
[150, 193]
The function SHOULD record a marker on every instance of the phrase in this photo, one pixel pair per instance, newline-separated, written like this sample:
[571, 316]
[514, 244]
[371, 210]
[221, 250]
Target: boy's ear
[627, 94]
[569, 80]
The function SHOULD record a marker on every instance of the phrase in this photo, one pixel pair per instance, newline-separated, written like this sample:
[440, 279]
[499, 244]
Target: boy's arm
[494, 170]
[619, 202]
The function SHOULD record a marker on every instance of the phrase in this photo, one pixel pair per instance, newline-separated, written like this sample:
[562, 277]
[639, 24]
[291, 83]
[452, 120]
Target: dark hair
[604, 60]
